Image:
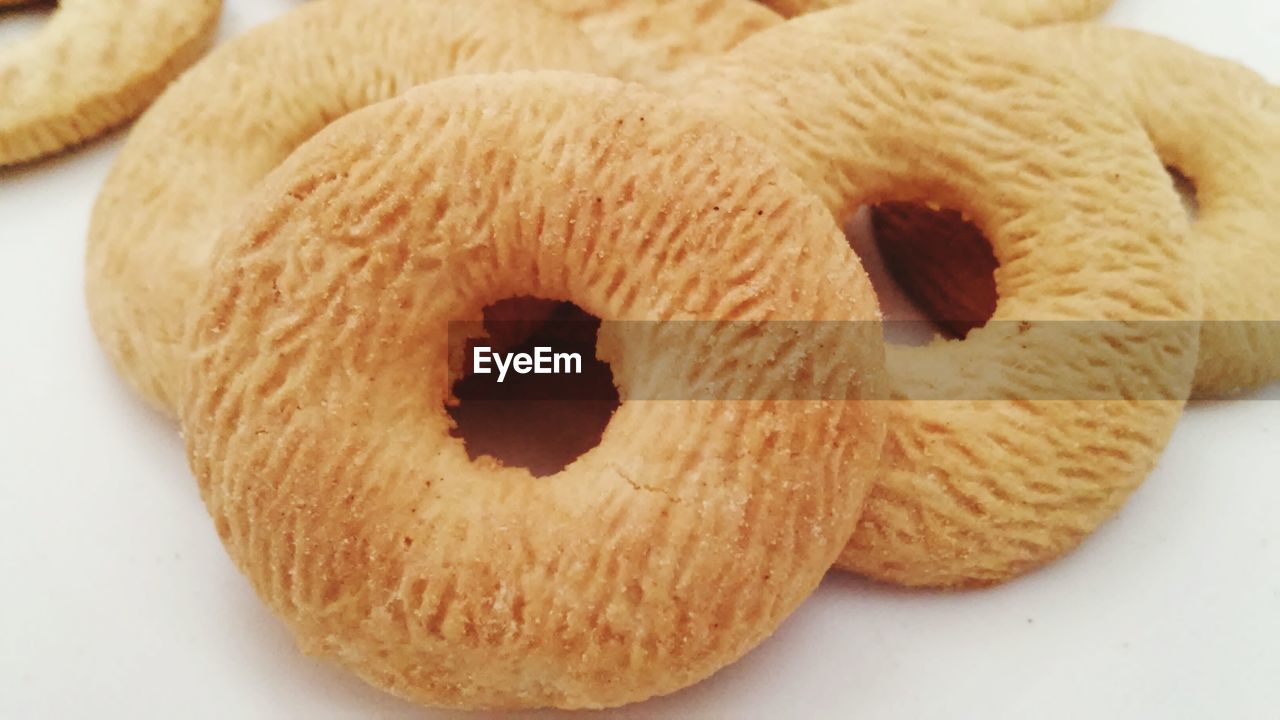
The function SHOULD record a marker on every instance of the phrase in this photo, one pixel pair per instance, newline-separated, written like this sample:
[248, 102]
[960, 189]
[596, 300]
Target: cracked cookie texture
[644, 40]
[1212, 121]
[315, 409]
[1017, 442]
[1218, 124]
[236, 115]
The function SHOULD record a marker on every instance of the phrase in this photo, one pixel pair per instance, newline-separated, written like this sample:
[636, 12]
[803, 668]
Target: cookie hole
[540, 422]
[942, 262]
[22, 21]
[1186, 188]
[905, 322]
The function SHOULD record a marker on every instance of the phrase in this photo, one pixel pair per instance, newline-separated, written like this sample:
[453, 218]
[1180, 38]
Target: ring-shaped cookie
[1218, 124]
[1039, 425]
[1019, 13]
[645, 39]
[93, 66]
[1214, 122]
[237, 114]
[315, 416]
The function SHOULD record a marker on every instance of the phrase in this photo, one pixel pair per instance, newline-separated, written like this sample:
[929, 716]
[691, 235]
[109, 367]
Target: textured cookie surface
[316, 425]
[239, 113]
[1218, 124]
[645, 39]
[1019, 13]
[94, 65]
[1019, 453]
[1212, 121]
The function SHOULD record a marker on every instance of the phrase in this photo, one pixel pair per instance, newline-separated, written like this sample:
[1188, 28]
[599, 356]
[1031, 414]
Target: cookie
[92, 67]
[1218, 124]
[315, 410]
[1213, 122]
[1012, 445]
[239, 113]
[645, 39]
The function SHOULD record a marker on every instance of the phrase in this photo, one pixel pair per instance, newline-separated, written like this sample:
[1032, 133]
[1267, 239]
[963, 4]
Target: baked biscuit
[646, 39]
[1018, 441]
[315, 411]
[1212, 121]
[93, 66]
[239, 113]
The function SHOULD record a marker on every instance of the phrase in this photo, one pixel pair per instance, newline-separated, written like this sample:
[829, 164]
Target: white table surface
[117, 600]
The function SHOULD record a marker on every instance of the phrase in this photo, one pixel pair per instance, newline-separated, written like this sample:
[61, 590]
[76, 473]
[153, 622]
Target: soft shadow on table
[66, 158]
[1270, 393]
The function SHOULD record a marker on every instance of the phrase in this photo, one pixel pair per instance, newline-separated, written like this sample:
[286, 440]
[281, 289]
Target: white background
[117, 601]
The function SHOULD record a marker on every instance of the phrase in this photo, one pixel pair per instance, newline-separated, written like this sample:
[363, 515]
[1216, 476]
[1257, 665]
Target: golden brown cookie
[93, 66]
[645, 39]
[239, 113]
[1212, 121]
[1218, 124]
[1018, 441]
[1019, 13]
[315, 411]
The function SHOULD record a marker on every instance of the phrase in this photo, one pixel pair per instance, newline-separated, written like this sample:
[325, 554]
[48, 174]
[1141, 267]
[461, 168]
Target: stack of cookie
[292, 227]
